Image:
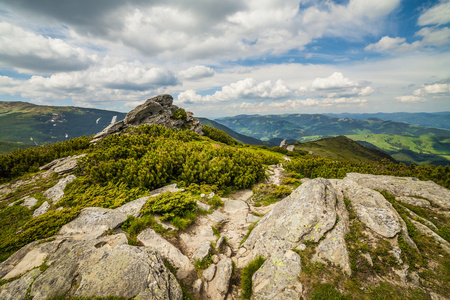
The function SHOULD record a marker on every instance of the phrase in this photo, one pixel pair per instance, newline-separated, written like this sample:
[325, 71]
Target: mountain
[36, 124]
[148, 211]
[343, 148]
[237, 136]
[435, 120]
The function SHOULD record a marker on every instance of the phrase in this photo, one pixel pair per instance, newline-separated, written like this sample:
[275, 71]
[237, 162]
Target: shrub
[179, 114]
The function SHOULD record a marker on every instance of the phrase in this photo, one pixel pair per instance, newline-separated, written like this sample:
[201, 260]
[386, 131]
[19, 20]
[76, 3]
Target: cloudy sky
[229, 57]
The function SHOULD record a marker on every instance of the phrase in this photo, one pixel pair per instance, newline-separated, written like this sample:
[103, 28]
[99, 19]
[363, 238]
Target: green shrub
[179, 114]
[170, 205]
[247, 274]
[265, 194]
[218, 135]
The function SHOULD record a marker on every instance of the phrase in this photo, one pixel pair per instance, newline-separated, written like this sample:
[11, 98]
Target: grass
[250, 229]
[266, 194]
[327, 291]
[247, 274]
[204, 263]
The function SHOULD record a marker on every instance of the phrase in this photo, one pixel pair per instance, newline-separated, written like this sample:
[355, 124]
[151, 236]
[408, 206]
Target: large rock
[94, 221]
[168, 251]
[305, 215]
[63, 165]
[405, 186]
[218, 288]
[278, 277]
[17, 290]
[372, 209]
[42, 209]
[157, 110]
[56, 192]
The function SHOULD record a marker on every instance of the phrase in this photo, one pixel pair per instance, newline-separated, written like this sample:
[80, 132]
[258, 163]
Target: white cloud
[335, 80]
[196, 72]
[437, 88]
[397, 44]
[438, 14]
[28, 52]
[409, 99]
[435, 36]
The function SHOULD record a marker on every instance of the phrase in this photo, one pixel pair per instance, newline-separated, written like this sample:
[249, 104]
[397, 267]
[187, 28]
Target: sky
[229, 57]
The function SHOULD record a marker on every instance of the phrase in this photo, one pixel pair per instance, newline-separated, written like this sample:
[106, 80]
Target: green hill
[342, 148]
[35, 124]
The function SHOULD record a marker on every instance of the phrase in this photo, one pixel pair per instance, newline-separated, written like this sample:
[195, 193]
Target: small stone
[228, 252]
[215, 258]
[220, 243]
[197, 286]
[29, 202]
[210, 195]
[251, 218]
[209, 273]
[203, 251]
[203, 206]
[301, 247]
[368, 258]
[218, 217]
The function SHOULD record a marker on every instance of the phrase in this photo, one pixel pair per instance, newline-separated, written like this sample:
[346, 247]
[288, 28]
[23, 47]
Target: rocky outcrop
[56, 192]
[63, 165]
[158, 110]
[218, 287]
[42, 209]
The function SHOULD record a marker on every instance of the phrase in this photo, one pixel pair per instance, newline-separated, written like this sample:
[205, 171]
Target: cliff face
[358, 237]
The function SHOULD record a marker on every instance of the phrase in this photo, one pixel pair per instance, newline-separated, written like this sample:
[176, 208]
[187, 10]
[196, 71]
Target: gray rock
[427, 231]
[234, 206]
[277, 277]
[197, 287]
[94, 221]
[218, 217]
[218, 288]
[42, 209]
[215, 258]
[63, 165]
[283, 143]
[251, 218]
[203, 251]
[157, 110]
[17, 290]
[56, 192]
[372, 209]
[413, 201]
[168, 251]
[29, 202]
[305, 215]
[405, 186]
[209, 272]
[203, 206]
[133, 208]
[220, 243]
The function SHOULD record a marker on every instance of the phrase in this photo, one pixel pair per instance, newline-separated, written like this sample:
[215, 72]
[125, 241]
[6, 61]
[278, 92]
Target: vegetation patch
[204, 263]
[266, 194]
[179, 114]
[247, 274]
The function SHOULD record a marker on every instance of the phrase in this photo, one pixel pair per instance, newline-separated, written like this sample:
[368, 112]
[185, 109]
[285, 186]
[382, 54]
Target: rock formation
[158, 110]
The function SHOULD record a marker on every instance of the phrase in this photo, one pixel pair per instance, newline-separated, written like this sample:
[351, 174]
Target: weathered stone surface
[157, 110]
[197, 286]
[251, 218]
[333, 247]
[306, 214]
[56, 192]
[42, 209]
[218, 217]
[218, 287]
[220, 243]
[29, 202]
[94, 221]
[209, 272]
[63, 165]
[203, 251]
[168, 251]
[133, 208]
[405, 186]
[372, 208]
[193, 239]
[234, 206]
[283, 143]
[277, 277]
[413, 201]
[427, 231]
[203, 206]
[17, 290]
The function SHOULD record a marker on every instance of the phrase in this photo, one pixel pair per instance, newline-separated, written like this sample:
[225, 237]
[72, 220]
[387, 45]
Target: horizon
[229, 58]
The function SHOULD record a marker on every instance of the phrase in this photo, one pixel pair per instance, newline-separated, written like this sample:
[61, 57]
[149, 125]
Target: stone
[413, 201]
[427, 231]
[63, 165]
[42, 209]
[29, 202]
[218, 287]
[17, 290]
[290, 148]
[56, 192]
[220, 243]
[197, 286]
[405, 186]
[94, 221]
[251, 218]
[172, 254]
[277, 277]
[372, 209]
[228, 252]
[215, 258]
[283, 143]
[203, 206]
[234, 206]
[192, 239]
[209, 272]
[133, 208]
[368, 258]
[306, 215]
[157, 110]
[203, 251]
[218, 217]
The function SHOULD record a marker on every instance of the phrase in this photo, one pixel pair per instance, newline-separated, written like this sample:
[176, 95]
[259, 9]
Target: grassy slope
[6, 147]
[342, 148]
[20, 121]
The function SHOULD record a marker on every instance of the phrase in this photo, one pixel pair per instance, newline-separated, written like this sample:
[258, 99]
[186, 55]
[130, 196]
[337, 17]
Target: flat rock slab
[203, 251]
[56, 192]
[42, 209]
[17, 290]
[405, 186]
[218, 217]
[29, 202]
[305, 215]
[93, 220]
[413, 201]
[372, 209]
[133, 208]
[277, 277]
[234, 206]
[168, 251]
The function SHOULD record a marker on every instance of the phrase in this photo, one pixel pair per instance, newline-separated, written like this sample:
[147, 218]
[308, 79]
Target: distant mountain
[435, 120]
[237, 136]
[343, 148]
[36, 124]
[297, 126]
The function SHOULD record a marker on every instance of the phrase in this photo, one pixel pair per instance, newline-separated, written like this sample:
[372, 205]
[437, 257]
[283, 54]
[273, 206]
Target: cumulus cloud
[335, 80]
[433, 89]
[437, 15]
[28, 52]
[197, 72]
[396, 44]
[409, 99]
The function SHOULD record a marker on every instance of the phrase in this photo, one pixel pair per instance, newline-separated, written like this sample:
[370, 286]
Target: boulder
[305, 215]
[63, 165]
[218, 287]
[17, 290]
[203, 251]
[133, 208]
[209, 272]
[42, 209]
[157, 110]
[278, 277]
[56, 192]
[413, 201]
[173, 255]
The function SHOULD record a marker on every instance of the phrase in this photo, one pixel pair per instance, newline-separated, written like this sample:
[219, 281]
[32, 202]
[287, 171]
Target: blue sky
[222, 58]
